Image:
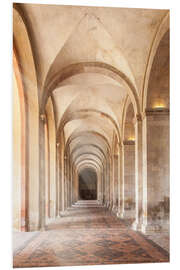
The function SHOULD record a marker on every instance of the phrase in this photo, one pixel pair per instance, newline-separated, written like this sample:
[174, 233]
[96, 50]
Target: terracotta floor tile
[87, 236]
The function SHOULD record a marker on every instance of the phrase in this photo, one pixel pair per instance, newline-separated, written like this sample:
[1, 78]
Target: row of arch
[47, 174]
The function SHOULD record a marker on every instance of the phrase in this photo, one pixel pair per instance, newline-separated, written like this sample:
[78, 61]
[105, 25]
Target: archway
[156, 142]
[87, 184]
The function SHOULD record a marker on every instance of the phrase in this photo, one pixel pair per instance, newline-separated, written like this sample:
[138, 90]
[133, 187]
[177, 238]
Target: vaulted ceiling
[79, 52]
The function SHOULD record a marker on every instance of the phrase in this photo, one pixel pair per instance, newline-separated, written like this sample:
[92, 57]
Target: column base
[42, 229]
[129, 214]
[62, 213]
[136, 226]
[110, 206]
[33, 228]
[100, 202]
[107, 204]
[120, 214]
[155, 227]
[114, 209]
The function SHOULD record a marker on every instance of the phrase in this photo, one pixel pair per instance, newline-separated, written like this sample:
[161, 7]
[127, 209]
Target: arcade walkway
[87, 234]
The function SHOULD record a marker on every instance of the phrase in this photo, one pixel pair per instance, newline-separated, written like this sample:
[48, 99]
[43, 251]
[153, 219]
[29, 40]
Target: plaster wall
[157, 159]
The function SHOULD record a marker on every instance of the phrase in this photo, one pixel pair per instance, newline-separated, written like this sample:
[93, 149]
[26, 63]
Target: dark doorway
[87, 185]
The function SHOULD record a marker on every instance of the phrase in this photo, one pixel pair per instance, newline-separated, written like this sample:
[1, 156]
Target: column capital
[137, 118]
[43, 117]
[129, 142]
[156, 111]
[57, 144]
[120, 144]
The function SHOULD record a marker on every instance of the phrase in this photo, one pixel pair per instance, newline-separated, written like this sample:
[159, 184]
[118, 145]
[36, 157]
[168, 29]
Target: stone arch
[20, 180]
[85, 67]
[156, 133]
[81, 114]
[88, 183]
[163, 28]
[51, 129]
[86, 148]
[86, 164]
[92, 157]
[129, 159]
[157, 96]
[128, 124]
[24, 55]
[115, 175]
[76, 135]
[92, 145]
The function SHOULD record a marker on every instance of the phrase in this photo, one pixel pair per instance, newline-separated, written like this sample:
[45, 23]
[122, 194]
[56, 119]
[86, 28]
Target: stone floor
[86, 235]
[161, 239]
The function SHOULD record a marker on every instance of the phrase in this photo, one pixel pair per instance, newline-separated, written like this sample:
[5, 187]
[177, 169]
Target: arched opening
[27, 97]
[91, 135]
[156, 142]
[87, 184]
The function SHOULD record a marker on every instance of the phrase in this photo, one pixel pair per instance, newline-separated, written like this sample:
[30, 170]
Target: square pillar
[129, 179]
[138, 173]
[120, 212]
[156, 171]
[115, 183]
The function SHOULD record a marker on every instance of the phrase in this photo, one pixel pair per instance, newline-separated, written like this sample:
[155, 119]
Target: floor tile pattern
[88, 236]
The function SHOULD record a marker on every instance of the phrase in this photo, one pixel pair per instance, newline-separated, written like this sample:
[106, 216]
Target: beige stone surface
[94, 85]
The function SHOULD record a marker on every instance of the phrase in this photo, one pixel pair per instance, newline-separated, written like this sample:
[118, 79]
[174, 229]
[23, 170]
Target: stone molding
[129, 142]
[43, 118]
[156, 111]
[137, 118]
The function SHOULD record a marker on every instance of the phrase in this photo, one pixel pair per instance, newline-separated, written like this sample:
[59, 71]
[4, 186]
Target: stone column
[98, 186]
[42, 200]
[120, 212]
[156, 170]
[115, 189]
[71, 184]
[57, 180]
[110, 174]
[108, 184]
[76, 190]
[129, 179]
[65, 183]
[47, 173]
[105, 185]
[113, 182]
[62, 165]
[138, 172]
[102, 184]
[60, 183]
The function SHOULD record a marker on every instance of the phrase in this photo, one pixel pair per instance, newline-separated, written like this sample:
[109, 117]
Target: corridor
[90, 135]
[88, 234]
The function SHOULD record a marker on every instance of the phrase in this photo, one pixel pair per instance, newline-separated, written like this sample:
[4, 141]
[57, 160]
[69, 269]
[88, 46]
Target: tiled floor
[87, 236]
[161, 239]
